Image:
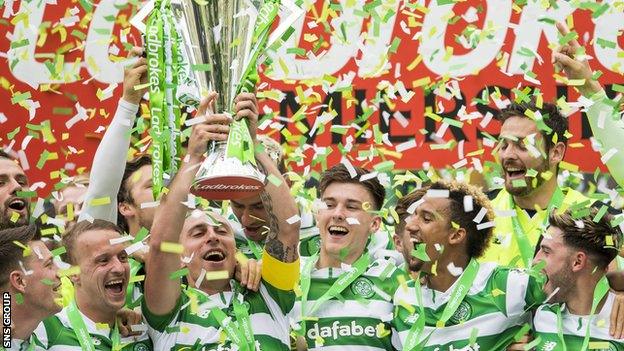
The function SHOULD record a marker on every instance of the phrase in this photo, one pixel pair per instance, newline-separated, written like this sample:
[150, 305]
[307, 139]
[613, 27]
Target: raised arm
[110, 158]
[162, 292]
[283, 238]
[608, 129]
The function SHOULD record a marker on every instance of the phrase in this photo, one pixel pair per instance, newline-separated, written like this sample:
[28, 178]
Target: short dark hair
[554, 123]
[124, 194]
[477, 239]
[588, 235]
[340, 174]
[71, 236]
[10, 252]
[403, 204]
[3, 154]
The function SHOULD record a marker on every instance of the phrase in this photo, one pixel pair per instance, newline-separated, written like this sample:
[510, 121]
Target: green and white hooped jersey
[191, 323]
[489, 316]
[356, 320]
[56, 334]
[573, 328]
[24, 345]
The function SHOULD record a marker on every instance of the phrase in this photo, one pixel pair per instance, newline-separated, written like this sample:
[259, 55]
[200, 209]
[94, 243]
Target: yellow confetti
[217, 275]
[497, 292]
[73, 270]
[100, 201]
[171, 247]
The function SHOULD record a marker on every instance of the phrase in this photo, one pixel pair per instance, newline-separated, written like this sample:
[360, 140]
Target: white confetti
[352, 221]
[438, 193]
[123, 239]
[480, 215]
[468, 203]
[294, 219]
[455, 271]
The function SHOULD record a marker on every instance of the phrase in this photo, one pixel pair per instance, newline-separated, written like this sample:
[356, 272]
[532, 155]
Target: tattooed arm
[283, 238]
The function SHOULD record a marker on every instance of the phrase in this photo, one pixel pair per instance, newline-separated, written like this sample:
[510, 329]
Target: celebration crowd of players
[528, 266]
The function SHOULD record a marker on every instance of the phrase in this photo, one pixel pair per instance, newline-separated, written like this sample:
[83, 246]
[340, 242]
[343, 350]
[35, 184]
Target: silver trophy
[218, 37]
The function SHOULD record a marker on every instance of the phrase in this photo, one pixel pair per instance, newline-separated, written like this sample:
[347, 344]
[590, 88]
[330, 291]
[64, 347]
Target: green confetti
[19, 298]
[603, 43]
[62, 111]
[12, 134]
[618, 88]
[274, 180]
[601, 212]
[19, 97]
[48, 281]
[421, 253]
[26, 194]
[142, 234]
[179, 273]
[59, 251]
[201, 67]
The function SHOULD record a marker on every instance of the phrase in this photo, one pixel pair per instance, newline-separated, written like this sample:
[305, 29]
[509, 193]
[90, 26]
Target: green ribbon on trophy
[239, 143]
[162, 43]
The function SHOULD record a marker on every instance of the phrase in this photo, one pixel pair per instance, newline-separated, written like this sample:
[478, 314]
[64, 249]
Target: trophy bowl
[226, 178]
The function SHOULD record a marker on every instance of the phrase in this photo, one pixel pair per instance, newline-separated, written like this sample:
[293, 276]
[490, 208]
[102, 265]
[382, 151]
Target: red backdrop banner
[418, 81]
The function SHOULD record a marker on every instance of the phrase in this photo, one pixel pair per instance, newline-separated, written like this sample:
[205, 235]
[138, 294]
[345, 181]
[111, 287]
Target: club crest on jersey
[140, 347]
[363, 287]
[462, 314]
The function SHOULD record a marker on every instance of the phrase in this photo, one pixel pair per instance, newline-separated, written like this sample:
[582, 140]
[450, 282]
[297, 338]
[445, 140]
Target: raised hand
[215, 127]
[246, 106]
[135, 75]
[565, 59]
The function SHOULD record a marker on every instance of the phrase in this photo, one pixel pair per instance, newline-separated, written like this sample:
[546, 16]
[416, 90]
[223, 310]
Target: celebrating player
[576, 252]
[30, 277]
[457, 302]
[212, 305]
[345, 292]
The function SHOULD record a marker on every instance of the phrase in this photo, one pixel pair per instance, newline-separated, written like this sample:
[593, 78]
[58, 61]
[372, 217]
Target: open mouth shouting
[17, 204]
[515, 172]
[115, 288]
[338, 231]
[214, 256]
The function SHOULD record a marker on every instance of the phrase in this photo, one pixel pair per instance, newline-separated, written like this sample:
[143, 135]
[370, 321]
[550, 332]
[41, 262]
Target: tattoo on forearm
[273, 245]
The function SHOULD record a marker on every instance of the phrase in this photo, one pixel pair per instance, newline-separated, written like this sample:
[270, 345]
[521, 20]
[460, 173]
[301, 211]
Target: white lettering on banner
[33, 73]
[338, 330]
[374, 48]
[433, 49]
[529, 32]
[608, 27]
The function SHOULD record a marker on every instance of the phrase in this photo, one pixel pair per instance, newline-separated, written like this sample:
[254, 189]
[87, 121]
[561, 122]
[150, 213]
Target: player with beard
[90, 321]
[30, 277]
[14, 209]
[529, 153]
[345, 291]
[455, 302]
[212, 305]
[576, 252]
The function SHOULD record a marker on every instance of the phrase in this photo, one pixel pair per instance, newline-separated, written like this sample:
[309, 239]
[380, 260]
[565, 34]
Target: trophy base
[226, 187]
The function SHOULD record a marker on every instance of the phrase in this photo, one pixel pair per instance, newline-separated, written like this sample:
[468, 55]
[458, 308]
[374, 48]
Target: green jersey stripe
[359, 317]
[183, 328]
[56, 333]
[489, 315]
[574, 328]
